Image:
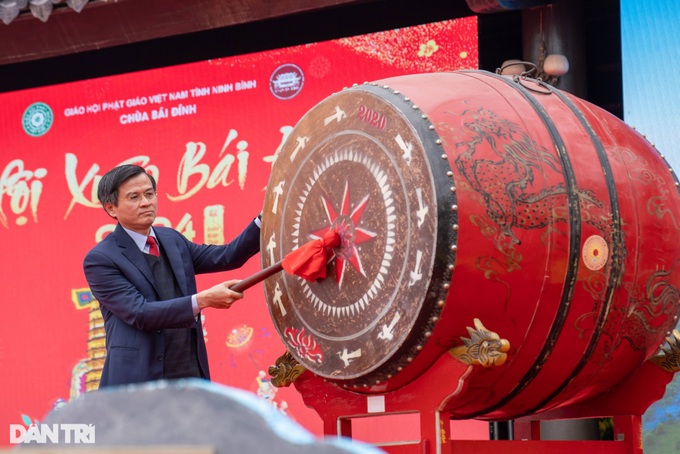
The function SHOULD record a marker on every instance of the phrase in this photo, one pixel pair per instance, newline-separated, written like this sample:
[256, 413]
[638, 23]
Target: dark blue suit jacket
[134, 318]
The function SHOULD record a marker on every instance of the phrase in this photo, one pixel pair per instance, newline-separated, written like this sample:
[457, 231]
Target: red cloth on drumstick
[309, 260]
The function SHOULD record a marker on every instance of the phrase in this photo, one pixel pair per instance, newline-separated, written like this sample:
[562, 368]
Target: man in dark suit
[146, 288]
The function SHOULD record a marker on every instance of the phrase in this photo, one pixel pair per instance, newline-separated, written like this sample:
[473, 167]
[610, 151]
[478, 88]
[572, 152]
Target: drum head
[366, 163]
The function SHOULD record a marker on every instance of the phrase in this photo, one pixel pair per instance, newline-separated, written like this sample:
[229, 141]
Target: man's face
[137, 204]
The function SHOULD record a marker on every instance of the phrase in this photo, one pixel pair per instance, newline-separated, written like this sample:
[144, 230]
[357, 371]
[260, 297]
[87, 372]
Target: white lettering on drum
[417, 273]
[422, 209]
[278, 192]
[347, 357]
[407, 148]
[277, 299]
[337, 116]
[301, 142]
[271, 245]
[387, 330]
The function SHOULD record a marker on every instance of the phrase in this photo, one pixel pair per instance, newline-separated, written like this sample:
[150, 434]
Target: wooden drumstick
[308, 261]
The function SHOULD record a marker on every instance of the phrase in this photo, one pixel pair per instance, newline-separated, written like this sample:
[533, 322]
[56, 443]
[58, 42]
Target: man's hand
[219, 296]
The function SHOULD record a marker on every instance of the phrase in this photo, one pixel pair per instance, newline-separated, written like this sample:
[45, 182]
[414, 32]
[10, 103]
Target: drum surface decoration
[463, 197]
[357, 165]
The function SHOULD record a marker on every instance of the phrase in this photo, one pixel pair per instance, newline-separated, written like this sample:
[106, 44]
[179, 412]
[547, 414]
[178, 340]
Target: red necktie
[153, 246]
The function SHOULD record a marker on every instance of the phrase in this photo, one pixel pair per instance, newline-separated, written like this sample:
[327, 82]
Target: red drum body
[469, 195]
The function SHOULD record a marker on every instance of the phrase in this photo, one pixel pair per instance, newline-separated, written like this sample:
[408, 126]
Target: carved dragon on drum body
[529, 192]
[647, 312]
[499, 161]
[503, 182]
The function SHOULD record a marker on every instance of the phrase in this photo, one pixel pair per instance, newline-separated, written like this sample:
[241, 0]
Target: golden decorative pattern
[595, 252]
[88, 372]
[484, 348]
[438, 46]
[670, 359]
[286, 370]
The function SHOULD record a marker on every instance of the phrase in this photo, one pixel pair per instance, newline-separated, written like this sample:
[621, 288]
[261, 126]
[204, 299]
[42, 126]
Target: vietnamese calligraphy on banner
[209, 133]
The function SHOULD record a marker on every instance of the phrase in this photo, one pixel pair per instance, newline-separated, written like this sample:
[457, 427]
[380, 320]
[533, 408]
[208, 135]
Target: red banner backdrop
[209, 132]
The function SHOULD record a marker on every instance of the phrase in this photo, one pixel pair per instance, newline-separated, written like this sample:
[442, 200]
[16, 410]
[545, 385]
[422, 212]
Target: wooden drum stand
[430, 394]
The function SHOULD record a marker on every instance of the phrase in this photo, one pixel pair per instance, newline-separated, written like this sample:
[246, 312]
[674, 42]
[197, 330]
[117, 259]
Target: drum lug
[484, 348]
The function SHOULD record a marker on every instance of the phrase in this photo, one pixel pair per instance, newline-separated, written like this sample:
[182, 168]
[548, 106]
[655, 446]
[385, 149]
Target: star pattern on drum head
[346, 223]
[385, 202]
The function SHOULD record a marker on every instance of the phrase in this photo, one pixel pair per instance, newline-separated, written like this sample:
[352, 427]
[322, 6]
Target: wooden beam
[103, 23]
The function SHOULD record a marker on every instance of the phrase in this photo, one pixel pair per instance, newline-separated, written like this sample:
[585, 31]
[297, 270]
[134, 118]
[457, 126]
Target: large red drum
[470, 195]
